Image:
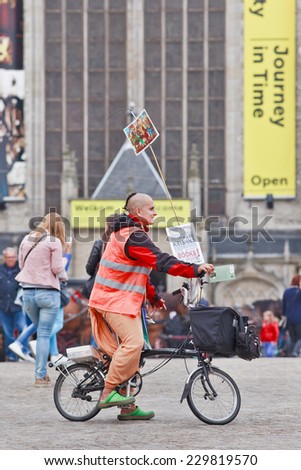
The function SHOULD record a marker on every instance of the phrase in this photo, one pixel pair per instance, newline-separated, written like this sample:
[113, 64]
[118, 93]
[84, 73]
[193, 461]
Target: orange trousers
[125, 355]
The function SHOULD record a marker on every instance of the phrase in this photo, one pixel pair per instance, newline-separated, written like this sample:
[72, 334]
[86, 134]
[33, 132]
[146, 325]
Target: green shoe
[114, 399]
[136, 414]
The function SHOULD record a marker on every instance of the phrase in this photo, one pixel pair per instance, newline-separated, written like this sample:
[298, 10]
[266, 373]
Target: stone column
[195, 195]
[135, 54]
[35, 104]
[194, 181]
[234, 107]
[69, 182]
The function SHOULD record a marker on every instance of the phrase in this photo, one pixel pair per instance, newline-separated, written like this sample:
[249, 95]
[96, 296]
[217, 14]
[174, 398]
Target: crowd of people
[31, 311]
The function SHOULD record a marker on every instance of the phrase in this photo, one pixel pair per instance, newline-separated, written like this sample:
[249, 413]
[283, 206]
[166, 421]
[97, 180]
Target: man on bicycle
[121, 287]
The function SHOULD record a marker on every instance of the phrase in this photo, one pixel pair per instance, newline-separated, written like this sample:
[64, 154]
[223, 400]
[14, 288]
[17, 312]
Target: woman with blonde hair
[41, 262]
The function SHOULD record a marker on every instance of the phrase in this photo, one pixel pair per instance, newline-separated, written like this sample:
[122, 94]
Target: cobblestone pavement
[269, 417]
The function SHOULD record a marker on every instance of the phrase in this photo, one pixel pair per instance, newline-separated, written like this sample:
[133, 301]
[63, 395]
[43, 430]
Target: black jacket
[92, 267]
[9, 288]
[94, 258]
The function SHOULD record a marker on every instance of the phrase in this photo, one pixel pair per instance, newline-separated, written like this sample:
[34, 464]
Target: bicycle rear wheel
[217, 402]
[77, 391]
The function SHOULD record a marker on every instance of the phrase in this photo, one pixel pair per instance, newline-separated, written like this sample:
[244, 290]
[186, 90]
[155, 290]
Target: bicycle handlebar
[186, 286]
[179, 291]
[176, 292]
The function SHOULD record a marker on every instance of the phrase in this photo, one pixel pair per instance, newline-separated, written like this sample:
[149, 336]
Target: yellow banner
[269, 99]
[91, 214]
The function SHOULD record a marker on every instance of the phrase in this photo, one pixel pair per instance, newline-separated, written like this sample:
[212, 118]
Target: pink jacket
[43, 264]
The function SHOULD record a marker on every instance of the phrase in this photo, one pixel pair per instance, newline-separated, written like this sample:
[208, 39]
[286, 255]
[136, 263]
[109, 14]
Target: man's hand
[160, 304]
[206, 268]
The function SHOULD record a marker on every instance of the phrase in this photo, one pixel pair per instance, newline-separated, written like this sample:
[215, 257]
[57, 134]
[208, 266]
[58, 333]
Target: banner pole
[165, 185]
[161, 174]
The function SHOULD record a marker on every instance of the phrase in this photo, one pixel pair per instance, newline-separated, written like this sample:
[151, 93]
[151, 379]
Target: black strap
[34, 245]
[241, 323]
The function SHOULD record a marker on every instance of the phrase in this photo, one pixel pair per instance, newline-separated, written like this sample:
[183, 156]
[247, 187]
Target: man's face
[10, 259]
[147, 212]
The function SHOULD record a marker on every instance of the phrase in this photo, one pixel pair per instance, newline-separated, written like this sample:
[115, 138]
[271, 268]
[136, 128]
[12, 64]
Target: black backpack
[247, 342]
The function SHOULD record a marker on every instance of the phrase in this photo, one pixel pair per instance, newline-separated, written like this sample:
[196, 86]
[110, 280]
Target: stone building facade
[88, 61]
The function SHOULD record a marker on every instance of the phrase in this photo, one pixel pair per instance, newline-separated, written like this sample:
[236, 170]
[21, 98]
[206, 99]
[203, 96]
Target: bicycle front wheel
[216, 400]
[77, 391]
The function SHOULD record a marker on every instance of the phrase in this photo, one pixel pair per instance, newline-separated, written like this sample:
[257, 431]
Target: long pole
[161, 175]
[165, 185]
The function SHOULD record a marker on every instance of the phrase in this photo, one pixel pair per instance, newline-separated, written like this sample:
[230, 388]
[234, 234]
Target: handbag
[19, 297]
[88, 286]
[65, 296]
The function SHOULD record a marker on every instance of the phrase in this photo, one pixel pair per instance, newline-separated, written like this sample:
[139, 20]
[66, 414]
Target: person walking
[291, 309]
[41, 262]
[12, 316]
[121, 286]
[24, 341]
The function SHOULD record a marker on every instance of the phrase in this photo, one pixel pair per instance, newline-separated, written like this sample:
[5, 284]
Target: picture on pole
[141, 132]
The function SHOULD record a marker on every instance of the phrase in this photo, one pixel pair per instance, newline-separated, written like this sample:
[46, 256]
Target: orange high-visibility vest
[120, 283]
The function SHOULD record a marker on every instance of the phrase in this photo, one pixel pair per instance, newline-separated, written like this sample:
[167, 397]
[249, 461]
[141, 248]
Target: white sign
[184, 243]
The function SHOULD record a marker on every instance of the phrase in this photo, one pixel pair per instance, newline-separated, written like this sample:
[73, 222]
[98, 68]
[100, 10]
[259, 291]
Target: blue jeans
[58, 325]
[11, 322]
[42, 306]
[268, 349]
[26, 334]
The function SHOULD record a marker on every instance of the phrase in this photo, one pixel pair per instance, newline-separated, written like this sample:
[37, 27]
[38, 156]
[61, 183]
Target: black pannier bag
[213, 329]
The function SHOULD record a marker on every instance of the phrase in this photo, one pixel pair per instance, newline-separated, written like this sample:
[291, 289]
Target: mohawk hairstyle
[127, 200]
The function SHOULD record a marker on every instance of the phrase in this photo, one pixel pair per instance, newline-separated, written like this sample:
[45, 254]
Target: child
[269, 334]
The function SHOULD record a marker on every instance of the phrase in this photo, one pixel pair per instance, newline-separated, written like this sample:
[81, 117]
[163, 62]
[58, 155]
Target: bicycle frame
[176, 352]
[183, 354]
